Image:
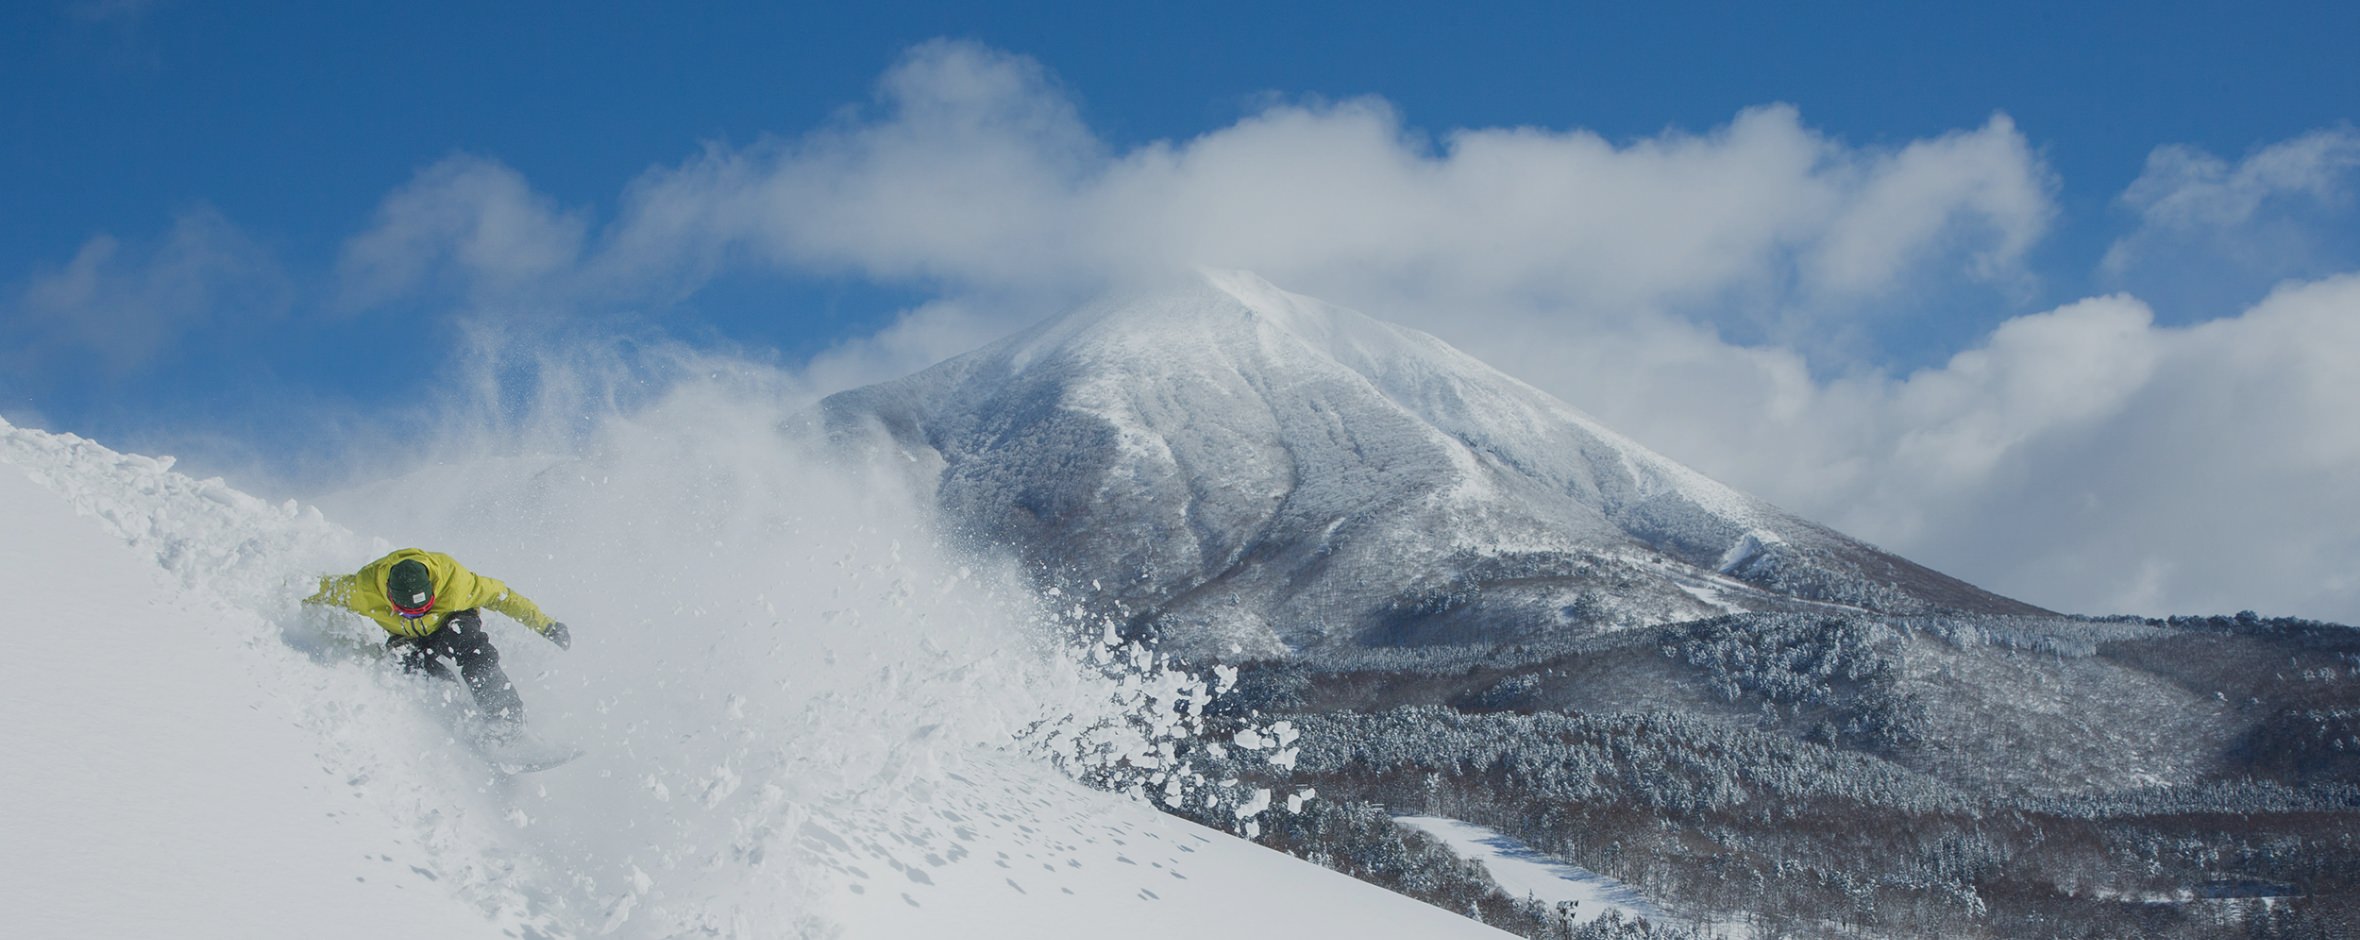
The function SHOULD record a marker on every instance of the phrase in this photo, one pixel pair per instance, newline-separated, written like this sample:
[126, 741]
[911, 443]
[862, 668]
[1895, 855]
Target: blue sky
[246, 231]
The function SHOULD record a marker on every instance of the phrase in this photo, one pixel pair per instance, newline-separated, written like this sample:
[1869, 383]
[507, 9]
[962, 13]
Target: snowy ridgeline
[802, 720]
[1243, 467]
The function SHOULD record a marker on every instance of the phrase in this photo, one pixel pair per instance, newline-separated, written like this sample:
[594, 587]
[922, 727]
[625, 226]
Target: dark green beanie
[409, 584]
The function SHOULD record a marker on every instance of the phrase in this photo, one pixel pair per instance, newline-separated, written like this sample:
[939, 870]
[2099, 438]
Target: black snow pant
[462, 640]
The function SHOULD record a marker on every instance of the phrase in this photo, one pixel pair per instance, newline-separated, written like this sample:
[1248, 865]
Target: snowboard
[521, 751]
[507, 748]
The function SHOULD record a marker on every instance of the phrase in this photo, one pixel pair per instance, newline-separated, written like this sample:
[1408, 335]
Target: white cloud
[465, 224]
[2228, 472]
[2083, 458]
[124, 304]
[922, 337]
[1984, 182]
[2187, 188]
[963, 177]
[974, 170]
[2284, 211]
[2048, 373]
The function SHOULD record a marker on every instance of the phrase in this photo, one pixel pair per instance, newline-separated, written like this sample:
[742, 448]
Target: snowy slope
[157, 782]
[1524, 873]
[802, 721]
[1241, 465]
[1010, 852]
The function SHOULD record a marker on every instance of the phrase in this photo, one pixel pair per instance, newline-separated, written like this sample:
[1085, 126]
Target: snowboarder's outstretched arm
[495, 594]
[335, 591]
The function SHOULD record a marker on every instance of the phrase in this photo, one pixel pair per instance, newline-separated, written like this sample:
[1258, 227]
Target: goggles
[408, 612]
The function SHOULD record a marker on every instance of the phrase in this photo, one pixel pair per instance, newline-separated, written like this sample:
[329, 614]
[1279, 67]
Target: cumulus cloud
[1984, 182]
[2083, 458]
[962, 174]
[2204, 468]
[122, 304]
[972, 170]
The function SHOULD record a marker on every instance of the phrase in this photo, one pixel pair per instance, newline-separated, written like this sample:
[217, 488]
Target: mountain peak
[1242, 468]
[1212, 308]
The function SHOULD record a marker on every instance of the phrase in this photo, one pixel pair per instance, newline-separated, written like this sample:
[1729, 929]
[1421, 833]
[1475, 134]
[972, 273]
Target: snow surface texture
[156, 785]
[802, 720]
[1583, 895]
[1249, 468]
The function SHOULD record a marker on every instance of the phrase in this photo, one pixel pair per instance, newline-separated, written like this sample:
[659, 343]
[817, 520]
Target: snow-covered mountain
[792, 732]
[1246, 470]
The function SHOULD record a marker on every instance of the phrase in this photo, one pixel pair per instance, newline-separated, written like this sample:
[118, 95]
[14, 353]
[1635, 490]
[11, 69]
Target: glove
[558, 634]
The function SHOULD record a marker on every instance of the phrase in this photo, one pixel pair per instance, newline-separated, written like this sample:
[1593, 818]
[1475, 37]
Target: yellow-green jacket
[455, 589]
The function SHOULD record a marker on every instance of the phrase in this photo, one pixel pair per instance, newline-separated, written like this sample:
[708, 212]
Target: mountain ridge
[1251, 471]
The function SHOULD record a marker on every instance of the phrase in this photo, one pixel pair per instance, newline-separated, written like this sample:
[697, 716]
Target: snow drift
[804, 717]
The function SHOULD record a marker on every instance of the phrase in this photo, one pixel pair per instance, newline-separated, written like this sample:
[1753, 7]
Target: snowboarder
[428, 602]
